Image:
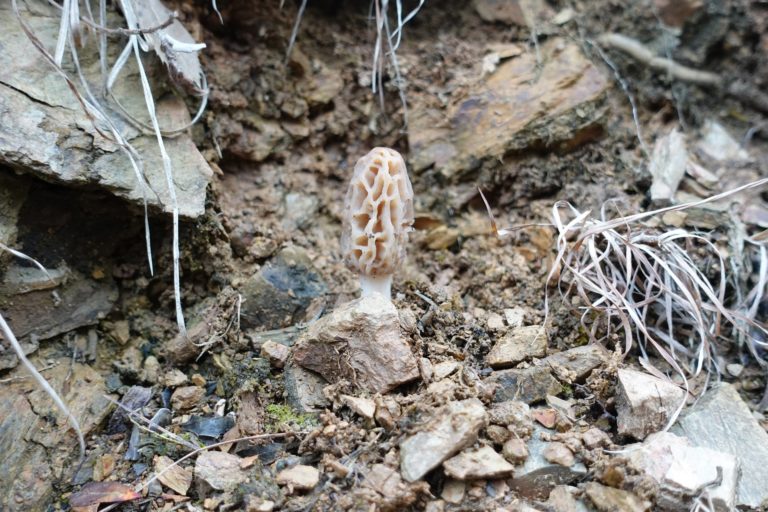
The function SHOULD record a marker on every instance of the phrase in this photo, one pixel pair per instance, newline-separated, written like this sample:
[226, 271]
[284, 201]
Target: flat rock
[53, 139]
[219, 470]
[563, 499]
[364, 407]
[453, 491]
[577, 363]
[537, 477]
[360, 342]
[299, 477]
[173, 476]
[721, 421]
[608, 499]
[667, 166]
[529, 385]
[518, 345]
[558, 453]
[282, 291]
[644, 403]
[515, 450]
[682, 471]
[32, 311]
[276, 353]
[186, 397]
[304, 389]
[482, 463]
[514, 415]
[450, 430]
[517, 106]
[39, 449]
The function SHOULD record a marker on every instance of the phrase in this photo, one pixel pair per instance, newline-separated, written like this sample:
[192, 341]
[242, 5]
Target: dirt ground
[547, 117]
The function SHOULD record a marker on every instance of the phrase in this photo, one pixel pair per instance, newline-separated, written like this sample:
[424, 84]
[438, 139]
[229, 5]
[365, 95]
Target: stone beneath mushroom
[359, 342]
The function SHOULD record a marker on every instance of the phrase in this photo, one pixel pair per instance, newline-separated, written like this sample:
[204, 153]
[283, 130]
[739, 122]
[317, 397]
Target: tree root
[737, 89]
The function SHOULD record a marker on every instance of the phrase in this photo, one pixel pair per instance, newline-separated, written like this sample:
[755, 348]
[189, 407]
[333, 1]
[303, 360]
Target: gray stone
[360, 342]
[187, 397]
[575, 364]
[453, 491]
[38, 446]
[53, 139]
[684, 472]
[299, 477]
[563, 499]
[558, 453]
[276, 353]
[537, 477]
[608, 499]
[518, 345]
[667, 166]
[721, 421]
[644, 403]
[298, 210]
[304, 389]
[35, 305]
[482, 463]
[219, 470]
[515, 450]
[449, 431]
[529, 385]
[514, 415]
[364, 407]
[720, 145]
[280, 294]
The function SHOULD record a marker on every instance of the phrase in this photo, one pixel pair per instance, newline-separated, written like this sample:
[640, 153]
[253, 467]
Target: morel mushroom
[378, 214]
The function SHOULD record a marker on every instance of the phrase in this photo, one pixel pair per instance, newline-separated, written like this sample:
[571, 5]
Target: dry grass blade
[667, 294]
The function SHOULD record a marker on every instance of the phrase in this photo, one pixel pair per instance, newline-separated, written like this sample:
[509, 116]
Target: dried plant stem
[638, 51]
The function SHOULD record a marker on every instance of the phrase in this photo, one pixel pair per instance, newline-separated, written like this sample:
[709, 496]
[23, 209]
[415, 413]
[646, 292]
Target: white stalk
[370, 285]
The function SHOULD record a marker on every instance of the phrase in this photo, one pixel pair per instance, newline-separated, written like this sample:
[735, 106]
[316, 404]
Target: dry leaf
[96, 493]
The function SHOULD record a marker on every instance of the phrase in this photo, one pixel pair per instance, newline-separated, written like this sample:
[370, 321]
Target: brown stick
[738, 89]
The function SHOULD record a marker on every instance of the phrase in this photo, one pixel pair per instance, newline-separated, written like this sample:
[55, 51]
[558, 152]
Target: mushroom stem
[376, 284]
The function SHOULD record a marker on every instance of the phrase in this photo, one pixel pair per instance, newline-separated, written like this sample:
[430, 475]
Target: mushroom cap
[378, 214]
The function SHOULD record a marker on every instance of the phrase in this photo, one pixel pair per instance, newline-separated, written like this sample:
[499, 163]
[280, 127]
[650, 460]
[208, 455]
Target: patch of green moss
[280, 416]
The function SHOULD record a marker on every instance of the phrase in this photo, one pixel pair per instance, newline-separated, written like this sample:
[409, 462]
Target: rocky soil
[465, 393]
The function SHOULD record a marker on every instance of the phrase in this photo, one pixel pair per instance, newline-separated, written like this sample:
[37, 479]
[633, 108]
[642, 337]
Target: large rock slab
[683, 472]
[644, 403]
[27, 300]
[52, 138]
[518, 106]
[37, 445]
[450, 430]
[721, 421]
[361, 342]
